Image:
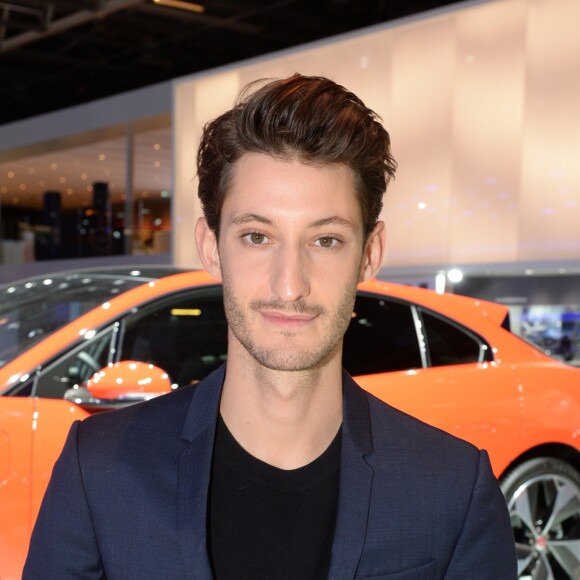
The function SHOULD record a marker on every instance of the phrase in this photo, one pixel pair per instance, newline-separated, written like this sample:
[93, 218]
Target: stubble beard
[291, 356]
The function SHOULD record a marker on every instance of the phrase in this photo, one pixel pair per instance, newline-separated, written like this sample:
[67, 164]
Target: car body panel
[32, 433]
[16, 435]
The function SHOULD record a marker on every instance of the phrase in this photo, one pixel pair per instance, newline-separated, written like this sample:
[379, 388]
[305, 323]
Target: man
[278, 466]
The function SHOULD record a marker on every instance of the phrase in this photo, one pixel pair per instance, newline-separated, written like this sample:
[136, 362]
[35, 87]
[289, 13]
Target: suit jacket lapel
[194, 475]
[356, 477]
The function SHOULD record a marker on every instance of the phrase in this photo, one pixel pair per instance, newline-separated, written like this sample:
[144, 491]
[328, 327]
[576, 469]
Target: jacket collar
[194, 474]
[356, 477]
[195, 468]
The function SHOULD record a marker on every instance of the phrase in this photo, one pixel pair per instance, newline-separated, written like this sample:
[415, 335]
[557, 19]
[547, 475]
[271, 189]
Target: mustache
[298, 307]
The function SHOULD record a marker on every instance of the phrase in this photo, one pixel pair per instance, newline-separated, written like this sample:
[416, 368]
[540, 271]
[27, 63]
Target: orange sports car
[81, 342]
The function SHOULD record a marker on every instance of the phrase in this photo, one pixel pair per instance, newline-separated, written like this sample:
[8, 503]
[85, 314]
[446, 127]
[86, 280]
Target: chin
[288, 360]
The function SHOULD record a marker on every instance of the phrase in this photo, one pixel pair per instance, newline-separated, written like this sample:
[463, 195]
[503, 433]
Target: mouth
[287, 319]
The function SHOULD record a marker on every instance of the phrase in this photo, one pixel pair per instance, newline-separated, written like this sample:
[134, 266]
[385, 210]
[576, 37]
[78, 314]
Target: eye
[327, 242]
[256, 238]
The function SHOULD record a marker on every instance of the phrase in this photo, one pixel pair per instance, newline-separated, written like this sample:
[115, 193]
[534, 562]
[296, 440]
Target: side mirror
[129, 381]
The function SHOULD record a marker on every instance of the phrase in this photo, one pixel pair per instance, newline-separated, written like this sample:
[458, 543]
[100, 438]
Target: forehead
[271, 183]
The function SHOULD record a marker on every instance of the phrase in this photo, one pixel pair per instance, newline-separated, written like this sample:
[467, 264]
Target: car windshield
[32, 309]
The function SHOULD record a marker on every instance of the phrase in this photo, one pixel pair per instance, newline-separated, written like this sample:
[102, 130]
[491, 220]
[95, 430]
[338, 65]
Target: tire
[543, 497]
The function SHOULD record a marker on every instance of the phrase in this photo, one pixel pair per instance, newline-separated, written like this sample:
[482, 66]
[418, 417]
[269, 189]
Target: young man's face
[290, 254]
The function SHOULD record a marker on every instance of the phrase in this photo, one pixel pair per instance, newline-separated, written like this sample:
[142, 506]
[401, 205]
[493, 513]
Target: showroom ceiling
[58, 53]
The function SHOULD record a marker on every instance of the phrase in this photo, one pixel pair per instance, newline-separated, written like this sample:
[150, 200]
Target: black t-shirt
[267, 523]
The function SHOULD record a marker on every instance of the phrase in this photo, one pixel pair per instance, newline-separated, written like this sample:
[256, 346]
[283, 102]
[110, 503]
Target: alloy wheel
[545, 516]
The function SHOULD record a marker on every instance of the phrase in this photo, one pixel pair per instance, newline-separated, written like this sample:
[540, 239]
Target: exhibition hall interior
[472, 324]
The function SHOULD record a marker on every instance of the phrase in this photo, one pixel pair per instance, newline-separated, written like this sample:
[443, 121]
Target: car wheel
[543, 496]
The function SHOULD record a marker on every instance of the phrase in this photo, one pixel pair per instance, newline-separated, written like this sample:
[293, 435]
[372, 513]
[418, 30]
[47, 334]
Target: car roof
[146, 273]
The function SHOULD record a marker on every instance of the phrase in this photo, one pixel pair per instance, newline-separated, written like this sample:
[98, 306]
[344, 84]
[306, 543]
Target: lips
[286, 319]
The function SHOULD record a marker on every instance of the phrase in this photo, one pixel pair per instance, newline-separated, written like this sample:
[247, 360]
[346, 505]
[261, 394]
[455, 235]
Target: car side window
[185, 335]
[450, 344]
[381, 337]
[76, 366]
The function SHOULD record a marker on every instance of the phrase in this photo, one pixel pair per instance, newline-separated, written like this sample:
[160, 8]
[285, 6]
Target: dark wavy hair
[312, 119]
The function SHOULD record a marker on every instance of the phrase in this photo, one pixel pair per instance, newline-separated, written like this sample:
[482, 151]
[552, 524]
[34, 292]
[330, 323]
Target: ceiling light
[455, 275]
[181, 5]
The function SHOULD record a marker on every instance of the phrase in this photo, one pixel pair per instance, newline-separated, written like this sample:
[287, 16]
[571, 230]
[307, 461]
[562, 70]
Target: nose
[290, 280]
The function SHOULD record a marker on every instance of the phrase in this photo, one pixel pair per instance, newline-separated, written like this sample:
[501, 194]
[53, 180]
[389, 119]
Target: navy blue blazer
[128, 497]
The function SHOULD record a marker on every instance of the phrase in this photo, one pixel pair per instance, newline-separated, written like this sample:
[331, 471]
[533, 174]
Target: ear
[372, 259]
[207, 248]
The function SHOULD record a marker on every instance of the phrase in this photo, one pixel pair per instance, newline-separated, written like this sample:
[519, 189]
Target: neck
[285, 418]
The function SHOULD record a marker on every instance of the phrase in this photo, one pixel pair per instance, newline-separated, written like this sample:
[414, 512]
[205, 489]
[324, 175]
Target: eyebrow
[332, 220]
[254, 217]
[250, 217]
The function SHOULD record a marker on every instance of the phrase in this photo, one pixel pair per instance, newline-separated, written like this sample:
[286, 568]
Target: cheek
[243, 276]
[340, 268]
[339, 288]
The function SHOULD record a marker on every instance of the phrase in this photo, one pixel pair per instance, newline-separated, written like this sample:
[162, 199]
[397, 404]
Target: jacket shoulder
[394, 427]
[166, 411]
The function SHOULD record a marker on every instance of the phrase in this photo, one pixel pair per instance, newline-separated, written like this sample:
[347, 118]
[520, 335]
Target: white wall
[482, 106]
